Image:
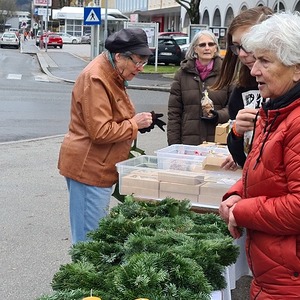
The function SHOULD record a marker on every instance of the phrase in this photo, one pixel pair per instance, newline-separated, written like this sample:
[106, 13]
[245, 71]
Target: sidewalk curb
[32, 140]
[45, 61]
[44, 66]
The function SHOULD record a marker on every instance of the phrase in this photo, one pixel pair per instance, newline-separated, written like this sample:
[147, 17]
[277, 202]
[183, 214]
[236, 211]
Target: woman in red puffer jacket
[266, 201]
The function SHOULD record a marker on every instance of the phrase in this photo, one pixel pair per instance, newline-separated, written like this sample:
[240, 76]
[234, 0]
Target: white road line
[43, 78]
[14, 76]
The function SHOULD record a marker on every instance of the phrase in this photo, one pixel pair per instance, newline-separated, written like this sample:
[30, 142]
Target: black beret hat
[128, 39]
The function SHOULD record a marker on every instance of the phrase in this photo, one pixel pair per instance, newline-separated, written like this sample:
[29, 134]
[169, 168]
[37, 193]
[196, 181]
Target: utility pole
[46, 26]
[105, 23]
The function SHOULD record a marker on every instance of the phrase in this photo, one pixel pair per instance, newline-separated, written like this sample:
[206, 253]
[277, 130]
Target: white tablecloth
[234, 272]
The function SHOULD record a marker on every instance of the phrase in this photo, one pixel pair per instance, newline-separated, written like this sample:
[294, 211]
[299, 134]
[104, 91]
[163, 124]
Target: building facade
[71, 20]
[80, 3]
[221, 13]
[164, 12]
[173, 17]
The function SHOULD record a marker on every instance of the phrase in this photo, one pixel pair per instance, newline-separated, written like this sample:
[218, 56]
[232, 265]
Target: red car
[52, 39]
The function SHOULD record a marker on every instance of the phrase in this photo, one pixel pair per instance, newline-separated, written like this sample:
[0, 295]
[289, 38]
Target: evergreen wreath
[156, 250]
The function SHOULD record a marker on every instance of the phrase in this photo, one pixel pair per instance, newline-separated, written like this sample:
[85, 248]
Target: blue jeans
[88, 205]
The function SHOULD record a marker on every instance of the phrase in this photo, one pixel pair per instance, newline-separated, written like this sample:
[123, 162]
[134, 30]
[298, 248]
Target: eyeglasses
[203, 45]
[237, 48]
[138, 64]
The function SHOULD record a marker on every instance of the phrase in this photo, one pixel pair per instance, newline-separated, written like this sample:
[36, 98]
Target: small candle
[91, 297]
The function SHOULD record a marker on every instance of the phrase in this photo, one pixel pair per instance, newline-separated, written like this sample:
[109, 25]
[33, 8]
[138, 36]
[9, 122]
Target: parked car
[184, 49]
[181, 40]
[15, 30]
[86, 38]
[37, 38]
[170, 33]
[169, 52]
[68, 38]
[10, 39]
[53, 40]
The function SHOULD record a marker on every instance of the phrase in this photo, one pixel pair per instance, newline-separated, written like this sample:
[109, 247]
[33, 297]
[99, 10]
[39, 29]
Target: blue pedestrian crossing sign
[92, 15]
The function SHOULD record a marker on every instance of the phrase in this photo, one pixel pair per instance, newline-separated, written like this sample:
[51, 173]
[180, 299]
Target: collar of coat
[189, 66]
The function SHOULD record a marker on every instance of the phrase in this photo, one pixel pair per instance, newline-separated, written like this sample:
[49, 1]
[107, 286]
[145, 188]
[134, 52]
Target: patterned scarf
[204, 70]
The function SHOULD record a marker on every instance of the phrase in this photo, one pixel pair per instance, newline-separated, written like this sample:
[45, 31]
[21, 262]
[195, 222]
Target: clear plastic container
[187, 157]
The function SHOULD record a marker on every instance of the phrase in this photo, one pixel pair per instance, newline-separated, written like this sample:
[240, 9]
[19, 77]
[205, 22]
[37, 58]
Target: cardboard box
[180, 188]
[141, 181]
[146, 173]
[139, 192]
[178, 196]
[213, 162]
[183, 177]
[221, 133]
[211, 200]
[214, 189]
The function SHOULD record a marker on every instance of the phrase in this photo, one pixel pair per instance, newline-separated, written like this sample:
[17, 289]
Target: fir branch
[159, 251]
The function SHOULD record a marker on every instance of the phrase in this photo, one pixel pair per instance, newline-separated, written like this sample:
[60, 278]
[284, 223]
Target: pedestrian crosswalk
[36, 77]
[14, 76]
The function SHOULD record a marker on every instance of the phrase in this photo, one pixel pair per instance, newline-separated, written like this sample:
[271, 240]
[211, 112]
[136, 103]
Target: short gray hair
[280, 34]
[190, 54]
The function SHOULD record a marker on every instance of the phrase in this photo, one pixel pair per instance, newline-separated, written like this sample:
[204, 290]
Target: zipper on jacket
[257, 295]
[267, 132]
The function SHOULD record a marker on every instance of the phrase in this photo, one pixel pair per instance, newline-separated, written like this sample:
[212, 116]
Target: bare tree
[7, 10]
[192, 8]
[64, 3]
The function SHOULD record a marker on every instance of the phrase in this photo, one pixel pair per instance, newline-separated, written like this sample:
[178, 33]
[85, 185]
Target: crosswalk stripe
[44, 78]
[14, 76]
[37, 77]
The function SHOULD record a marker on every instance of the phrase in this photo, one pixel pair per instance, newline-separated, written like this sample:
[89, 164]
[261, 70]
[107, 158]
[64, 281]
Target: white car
[9, 38]
[68, 38]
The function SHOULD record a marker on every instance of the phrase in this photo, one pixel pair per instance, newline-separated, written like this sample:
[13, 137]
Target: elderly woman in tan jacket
[188, 122]
[102, 127]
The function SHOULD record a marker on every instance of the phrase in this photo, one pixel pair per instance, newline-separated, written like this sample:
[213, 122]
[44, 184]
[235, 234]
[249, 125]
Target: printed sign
[42, 2]
[92, 16]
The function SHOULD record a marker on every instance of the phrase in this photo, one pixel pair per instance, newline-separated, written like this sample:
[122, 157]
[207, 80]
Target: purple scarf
[204, 70]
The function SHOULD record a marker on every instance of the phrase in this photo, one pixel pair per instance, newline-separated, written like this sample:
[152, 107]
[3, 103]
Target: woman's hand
[226, 205]
[245, 120]
[232, 226]
[229, 164]
[143, 119]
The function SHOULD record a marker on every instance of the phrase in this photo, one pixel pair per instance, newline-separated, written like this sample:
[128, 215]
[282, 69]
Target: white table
[234, 272]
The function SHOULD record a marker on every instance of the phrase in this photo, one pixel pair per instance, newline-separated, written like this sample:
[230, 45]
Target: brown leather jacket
[101, 129]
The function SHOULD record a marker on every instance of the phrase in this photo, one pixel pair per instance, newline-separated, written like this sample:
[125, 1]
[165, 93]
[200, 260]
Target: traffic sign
[92, 15]
[43, 12]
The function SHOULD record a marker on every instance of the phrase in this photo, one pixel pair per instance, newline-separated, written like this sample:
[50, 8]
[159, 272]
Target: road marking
[45, 78]
[37, 77]
[14, 76]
